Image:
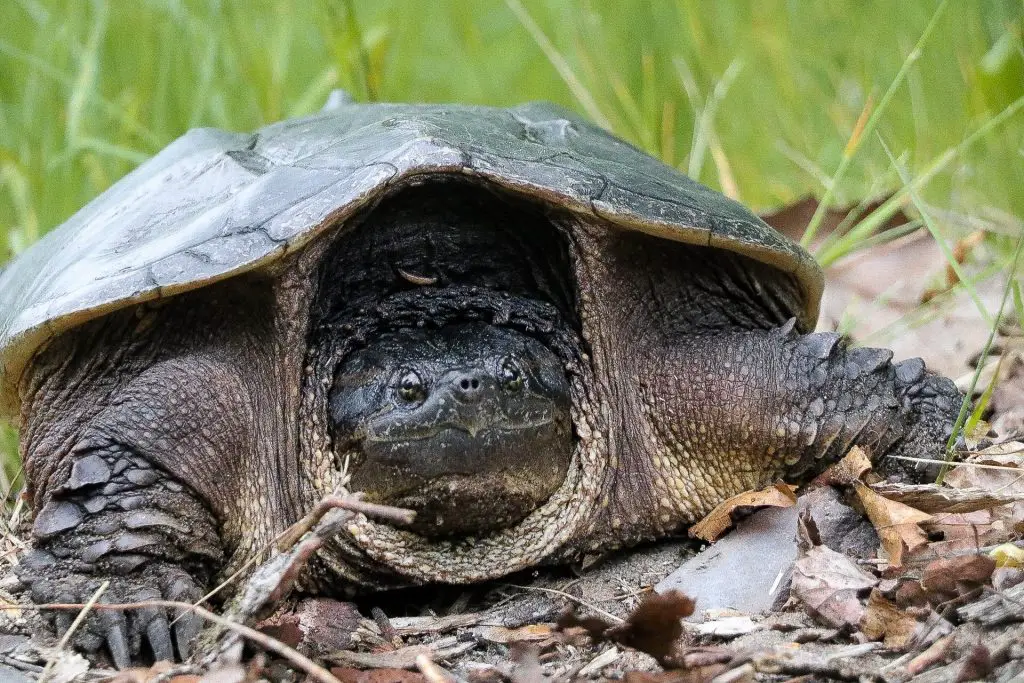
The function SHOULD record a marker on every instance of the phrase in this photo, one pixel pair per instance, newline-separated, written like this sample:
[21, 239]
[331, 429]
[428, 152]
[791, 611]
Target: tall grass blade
[859, 134]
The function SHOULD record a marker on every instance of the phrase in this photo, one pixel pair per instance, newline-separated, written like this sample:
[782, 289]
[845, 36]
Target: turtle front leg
[739, 410]
[119, 518]
[133, 494]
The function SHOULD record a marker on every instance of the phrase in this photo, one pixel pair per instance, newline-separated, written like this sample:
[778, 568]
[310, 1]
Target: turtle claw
[117, 643]
[159, 635]
[185, 631]
[133, 637]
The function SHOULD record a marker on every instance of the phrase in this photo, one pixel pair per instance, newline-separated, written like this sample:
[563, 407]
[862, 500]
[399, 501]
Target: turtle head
[468, 425]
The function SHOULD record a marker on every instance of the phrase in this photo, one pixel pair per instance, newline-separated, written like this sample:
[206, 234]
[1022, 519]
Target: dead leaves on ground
[930, 561]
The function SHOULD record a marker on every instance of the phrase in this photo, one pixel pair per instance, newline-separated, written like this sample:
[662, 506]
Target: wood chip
[598, 663]
[932, 498]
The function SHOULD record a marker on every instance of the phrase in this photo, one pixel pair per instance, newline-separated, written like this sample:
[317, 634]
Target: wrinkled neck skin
[432, 260]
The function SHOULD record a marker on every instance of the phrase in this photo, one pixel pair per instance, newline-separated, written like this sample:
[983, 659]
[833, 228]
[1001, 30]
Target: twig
[573, 598]
[66, 638]
[351, 503]
[956, 464]
[261, 639]
[431, 671]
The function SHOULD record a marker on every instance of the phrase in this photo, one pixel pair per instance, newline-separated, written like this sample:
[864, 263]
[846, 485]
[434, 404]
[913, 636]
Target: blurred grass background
[758, 99]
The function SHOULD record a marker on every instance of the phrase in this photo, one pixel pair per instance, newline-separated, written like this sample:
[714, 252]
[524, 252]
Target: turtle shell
[214, 204]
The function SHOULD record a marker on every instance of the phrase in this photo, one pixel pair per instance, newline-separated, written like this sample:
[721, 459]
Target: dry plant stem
[71, 629]
[273, 645]
[291, 536]
[572, 598]
[431, 671]
[385, 513]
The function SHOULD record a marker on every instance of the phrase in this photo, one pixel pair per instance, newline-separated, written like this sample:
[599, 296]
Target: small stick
[261, 639]
[431, 671]
[387, 629]
[344, 502]
[66, 638]
[572, 598]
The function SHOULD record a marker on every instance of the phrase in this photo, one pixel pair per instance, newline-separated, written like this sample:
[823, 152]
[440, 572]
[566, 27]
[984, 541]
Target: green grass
[758, 99]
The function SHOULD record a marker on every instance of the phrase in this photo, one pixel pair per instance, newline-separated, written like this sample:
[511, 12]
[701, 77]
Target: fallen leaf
[950, 575]
[351, 675]
[715, 523]
[883, 620]
[854, 465]
[653, 627]
[829, 584]
[977, 665]
[1008, 555]
[896, 523]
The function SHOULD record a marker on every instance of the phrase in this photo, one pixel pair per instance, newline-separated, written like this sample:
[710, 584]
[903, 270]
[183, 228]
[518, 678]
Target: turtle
[543, 341]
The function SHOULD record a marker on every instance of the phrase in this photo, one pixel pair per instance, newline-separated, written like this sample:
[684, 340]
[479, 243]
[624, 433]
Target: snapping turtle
[542, 340]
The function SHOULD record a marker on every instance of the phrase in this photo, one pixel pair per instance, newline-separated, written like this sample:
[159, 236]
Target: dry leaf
[896, 523]
[653, 627]
[715, 523]
[350, 675]
[977, 665]
[854, 465]
[952, 575]
[829, 584]
[1006, 479]
[883, 620]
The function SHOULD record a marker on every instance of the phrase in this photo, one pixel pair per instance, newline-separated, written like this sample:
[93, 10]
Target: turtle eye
[410, 387]
[511, 375]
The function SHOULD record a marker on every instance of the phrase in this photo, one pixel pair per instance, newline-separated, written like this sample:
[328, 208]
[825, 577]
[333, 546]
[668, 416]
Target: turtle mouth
[466, 478]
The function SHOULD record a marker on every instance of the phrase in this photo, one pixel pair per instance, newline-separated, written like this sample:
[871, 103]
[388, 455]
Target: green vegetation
[759, 99]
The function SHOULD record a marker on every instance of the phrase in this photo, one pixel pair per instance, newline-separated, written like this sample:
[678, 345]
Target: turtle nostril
[467, 385]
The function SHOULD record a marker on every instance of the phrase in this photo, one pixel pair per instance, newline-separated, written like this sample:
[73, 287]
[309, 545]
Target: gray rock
[842, 528]
[748, 570]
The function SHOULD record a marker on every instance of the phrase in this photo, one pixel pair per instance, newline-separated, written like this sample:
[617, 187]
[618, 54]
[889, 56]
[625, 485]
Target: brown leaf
[854, 465]
[829, 585]
[896, 523]
[977, 665]
[718, 520]
[350, 675]
[952, 575]
[883, 620]
[653, 627]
